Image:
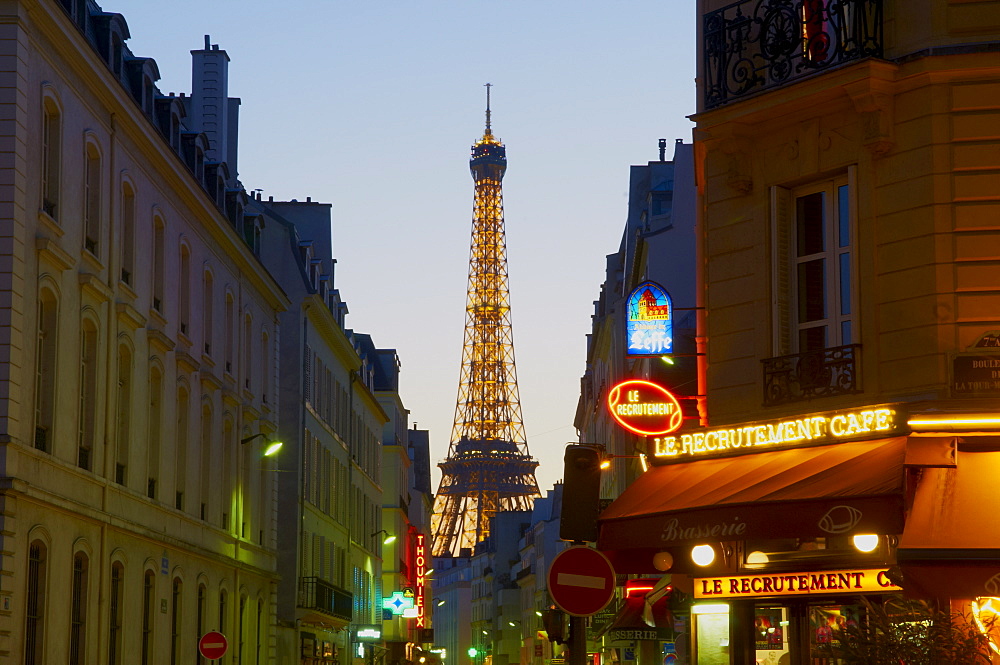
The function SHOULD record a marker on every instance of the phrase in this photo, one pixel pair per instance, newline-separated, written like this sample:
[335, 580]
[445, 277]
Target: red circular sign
[213, 645]
[644, 407]
[581, 581]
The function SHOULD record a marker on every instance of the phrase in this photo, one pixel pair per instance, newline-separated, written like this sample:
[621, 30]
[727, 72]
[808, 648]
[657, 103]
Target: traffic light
[581, 492]
[553, 622]
[473, 652]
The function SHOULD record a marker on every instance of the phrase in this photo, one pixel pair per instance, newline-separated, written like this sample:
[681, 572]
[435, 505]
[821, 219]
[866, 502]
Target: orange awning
[951, 544]
[803, 492]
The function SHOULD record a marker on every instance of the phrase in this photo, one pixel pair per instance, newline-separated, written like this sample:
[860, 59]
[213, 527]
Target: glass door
[771, 635]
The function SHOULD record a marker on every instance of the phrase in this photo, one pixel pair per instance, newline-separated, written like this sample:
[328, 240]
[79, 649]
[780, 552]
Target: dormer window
[116, 54]
[175, 132]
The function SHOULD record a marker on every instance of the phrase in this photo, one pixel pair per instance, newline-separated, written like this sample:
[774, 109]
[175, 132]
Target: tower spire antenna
[488, 130]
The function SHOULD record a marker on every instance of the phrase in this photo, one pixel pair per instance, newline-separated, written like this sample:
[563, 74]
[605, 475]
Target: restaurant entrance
[773, 633]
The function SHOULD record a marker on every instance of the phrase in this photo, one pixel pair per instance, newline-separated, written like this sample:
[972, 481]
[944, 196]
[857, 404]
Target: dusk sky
[372, 106]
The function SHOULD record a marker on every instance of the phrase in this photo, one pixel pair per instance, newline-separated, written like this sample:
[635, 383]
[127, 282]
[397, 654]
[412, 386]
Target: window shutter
[781, 294]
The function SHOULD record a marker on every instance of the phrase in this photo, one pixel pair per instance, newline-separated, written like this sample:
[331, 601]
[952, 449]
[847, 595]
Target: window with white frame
[814, 289]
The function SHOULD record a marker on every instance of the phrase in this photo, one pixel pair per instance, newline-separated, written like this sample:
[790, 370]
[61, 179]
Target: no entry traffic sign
[213, 645]
[581, 581]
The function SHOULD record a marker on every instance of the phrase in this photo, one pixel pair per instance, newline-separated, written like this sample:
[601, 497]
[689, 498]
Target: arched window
[148, 595]
[247, 352]
[115, 612]
[230, 330]
[88, 394]
[155, 427]
[158, 275]
[78, 610]
[124, 420]
[223, 614]
[35, 604]
[228, 450]
[185, 289]
[207, 311]
[45, 370]
[241, 642]
[176, 596]
[257, 632]
[206, 459]
[180, 455]
[265, 367]
[92, 199]
[128, 234]
[51, 153]
[201, 609]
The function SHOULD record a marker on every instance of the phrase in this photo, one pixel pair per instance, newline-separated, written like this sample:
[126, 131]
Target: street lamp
[385, 541]
[272, 446]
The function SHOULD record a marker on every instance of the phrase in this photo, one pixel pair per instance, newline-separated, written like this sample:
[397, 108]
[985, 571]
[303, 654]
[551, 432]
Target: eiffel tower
[488, 468]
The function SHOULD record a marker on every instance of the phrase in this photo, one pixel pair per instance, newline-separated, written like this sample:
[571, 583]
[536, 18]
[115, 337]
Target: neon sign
[420, 566]
[795, 584]
[649, 326]
[755, 437]
[644, 407]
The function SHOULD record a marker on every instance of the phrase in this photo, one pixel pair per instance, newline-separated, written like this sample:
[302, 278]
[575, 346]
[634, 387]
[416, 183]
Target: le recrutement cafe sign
[648, 409]
[755, 437]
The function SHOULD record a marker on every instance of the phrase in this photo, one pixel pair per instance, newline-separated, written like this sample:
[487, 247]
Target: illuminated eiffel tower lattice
[488, 468]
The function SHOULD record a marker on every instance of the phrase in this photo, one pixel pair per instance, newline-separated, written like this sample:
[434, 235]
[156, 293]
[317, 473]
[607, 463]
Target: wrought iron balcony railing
[754, 45]
[806, 376]
[320, 595]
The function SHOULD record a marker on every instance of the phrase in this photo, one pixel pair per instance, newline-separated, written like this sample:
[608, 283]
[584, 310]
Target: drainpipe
[701, 334]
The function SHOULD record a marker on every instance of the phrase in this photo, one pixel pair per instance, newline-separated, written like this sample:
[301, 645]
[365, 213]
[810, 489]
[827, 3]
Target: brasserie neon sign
[756, 437]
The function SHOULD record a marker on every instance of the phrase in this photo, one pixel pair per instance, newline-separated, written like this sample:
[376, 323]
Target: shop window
[815, 301]
[771, 635]
[827, 624]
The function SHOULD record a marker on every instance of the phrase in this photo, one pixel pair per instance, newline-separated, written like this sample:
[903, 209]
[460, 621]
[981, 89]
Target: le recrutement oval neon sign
[644, 407]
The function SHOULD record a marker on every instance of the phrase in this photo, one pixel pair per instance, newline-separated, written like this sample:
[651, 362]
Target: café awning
[816, 491]
[951, 544]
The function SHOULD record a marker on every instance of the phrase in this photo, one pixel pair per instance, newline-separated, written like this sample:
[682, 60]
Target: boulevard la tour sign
[644, 407]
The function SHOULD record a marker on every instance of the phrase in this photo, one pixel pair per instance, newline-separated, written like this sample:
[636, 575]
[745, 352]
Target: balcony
[755, 45]
[321, 596]
[811, 375]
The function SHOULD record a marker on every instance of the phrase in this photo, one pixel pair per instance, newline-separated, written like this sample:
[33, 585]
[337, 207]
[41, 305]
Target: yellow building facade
[139, 361]
[848, 169]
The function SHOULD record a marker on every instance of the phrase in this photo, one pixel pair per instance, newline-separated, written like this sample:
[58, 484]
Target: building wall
[915, 135]
[140, 469]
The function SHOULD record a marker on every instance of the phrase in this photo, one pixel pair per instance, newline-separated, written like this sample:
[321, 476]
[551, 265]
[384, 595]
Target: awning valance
[951, 544]
[829, 490]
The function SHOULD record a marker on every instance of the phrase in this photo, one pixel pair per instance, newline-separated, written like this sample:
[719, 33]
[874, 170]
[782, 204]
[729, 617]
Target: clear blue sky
[372, 106]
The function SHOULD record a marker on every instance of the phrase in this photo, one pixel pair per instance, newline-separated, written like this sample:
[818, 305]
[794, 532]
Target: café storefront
[778, 533]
